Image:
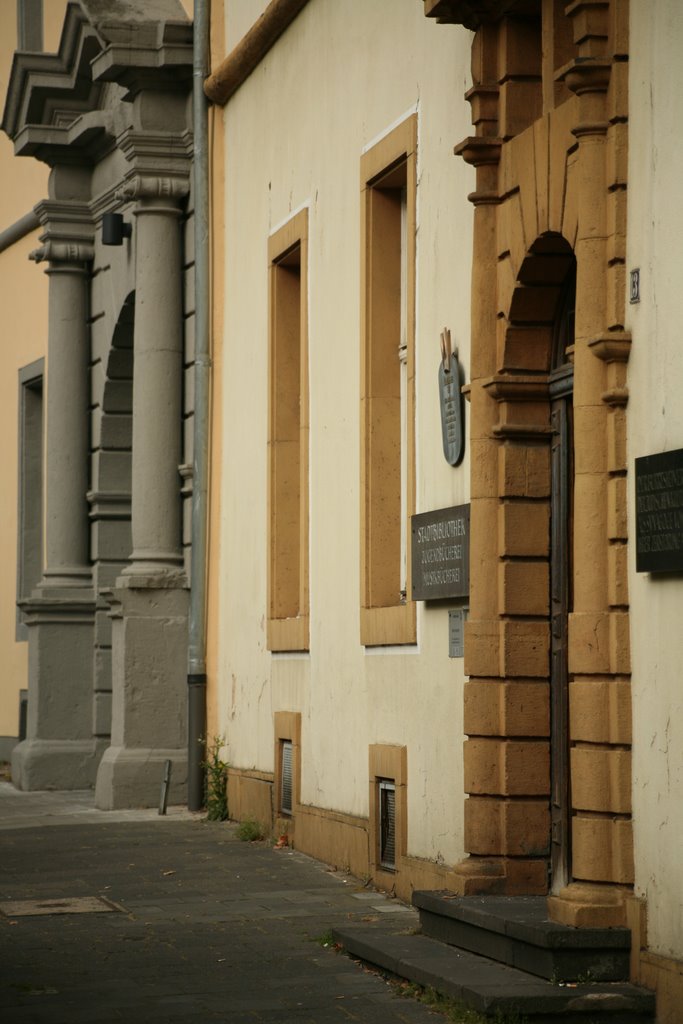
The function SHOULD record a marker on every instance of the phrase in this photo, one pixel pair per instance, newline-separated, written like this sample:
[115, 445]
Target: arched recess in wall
[116, 441]
[543, 311]
[110, 498]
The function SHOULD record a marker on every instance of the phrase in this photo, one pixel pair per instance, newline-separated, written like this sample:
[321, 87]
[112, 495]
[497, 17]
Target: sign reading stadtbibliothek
[440, 553]
[659, 512]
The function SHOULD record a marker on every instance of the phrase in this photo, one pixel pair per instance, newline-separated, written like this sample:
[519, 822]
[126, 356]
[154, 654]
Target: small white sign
[456, 632]
[635, 285]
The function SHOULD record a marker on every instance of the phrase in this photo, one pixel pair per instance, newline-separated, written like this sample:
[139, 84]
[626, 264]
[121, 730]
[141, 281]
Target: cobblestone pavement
[187, 923]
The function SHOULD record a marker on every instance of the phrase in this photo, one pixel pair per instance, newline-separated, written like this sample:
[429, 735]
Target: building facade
[328, 683]
[441, 652]
[333, 688]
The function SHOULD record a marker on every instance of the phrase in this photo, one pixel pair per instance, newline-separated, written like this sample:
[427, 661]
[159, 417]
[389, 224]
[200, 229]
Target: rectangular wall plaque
[659, 512]
[440, 553]
[456, 632]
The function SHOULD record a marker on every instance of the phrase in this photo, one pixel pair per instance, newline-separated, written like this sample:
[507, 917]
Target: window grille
[387, 824]
[286, 778]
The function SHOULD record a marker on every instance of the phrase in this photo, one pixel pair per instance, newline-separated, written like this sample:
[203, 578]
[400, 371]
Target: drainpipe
[196, 667]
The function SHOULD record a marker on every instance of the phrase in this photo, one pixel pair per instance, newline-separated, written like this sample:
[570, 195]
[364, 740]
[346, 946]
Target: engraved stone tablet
[659, 512]
[440, 553]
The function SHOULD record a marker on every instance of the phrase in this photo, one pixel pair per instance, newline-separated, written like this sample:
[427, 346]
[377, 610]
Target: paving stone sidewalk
[191, 924]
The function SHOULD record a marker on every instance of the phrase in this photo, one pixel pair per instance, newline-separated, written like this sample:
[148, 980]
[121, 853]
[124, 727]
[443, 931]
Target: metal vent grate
[387, 824]
[286, 778]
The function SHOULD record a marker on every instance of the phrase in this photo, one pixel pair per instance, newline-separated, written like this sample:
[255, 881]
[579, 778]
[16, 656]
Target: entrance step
[515, 930]
[496, 990]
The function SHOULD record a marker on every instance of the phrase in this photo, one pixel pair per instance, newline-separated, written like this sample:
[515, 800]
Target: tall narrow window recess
[388, 228]
[286, 777]
[387, 824]
[30, 511]
[288, 607]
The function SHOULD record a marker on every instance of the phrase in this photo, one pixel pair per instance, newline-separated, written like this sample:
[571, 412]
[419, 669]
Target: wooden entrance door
[561, 504]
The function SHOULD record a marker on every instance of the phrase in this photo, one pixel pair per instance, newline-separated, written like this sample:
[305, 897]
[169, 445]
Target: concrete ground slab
[210, 929]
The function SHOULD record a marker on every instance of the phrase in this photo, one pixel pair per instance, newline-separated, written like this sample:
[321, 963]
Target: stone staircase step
[515, 930]
[494, 989]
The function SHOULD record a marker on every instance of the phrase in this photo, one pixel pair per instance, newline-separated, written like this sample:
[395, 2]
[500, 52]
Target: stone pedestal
[60, 751]
[150, 600]
[149, 704]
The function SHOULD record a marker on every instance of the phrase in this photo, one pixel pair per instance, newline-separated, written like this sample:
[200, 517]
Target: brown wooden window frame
[288, 437]
[389, 168]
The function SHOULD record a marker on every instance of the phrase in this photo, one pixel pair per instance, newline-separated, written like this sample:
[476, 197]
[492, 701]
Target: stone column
[150, 600]
[67, 562]
[157, 391]
[59, 751]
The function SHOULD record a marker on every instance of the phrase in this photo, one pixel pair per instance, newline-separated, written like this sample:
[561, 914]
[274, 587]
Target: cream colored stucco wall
[340, 77]
[655, 245]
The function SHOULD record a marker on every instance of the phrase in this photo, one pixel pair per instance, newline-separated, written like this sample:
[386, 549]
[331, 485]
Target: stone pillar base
[132, 778]
[149, 692]
[56, 764]
[587, 905]
[502, 876]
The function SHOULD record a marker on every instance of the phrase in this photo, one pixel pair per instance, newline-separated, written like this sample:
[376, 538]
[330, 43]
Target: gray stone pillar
[150, 599]
[157, 389]
[59, 751]
[67, 562]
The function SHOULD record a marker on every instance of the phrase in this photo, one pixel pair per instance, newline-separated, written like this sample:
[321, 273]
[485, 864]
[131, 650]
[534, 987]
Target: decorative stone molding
[614, 347]
[151, 187]
[63, 252]
[109, 504]
[479, 151]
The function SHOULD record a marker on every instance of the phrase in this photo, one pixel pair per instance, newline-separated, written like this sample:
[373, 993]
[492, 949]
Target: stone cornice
[53, 90]
[65, 222]
[85, 140]
[160, 59]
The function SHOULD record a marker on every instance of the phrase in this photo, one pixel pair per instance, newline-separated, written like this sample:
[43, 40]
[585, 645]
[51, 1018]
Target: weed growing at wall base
[250, 830]
[216, 793]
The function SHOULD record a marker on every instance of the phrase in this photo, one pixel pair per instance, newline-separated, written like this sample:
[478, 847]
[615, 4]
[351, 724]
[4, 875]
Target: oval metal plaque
[450, 401]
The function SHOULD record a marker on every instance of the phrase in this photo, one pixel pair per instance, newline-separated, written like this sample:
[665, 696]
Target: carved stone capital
[63, 252]
[143, 186]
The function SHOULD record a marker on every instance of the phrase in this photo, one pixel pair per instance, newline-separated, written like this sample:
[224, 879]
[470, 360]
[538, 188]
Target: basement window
[387, 824]
[286, 777]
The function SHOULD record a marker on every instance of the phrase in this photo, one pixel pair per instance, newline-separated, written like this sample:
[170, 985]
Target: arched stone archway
[549, 184]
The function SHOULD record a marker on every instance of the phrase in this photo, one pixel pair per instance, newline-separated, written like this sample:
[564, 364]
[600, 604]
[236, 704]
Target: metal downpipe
[196, 668]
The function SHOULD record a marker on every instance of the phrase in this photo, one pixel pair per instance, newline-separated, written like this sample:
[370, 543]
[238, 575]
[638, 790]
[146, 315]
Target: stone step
[493, 989]
[515, 930]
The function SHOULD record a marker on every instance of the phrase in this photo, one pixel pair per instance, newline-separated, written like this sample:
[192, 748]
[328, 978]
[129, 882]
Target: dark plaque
[659, 512]
[440, 553]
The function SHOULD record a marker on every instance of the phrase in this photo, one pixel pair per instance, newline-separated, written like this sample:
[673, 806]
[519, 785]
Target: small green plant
[250, 830]
[216, 796]
[326, 940]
